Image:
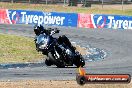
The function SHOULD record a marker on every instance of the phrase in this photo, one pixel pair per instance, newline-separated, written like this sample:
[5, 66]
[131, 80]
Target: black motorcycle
[59, 51]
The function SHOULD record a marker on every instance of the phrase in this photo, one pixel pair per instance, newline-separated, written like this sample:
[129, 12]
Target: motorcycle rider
[62, 39]
[39, 30]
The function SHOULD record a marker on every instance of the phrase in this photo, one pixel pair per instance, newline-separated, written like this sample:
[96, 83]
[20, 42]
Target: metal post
[64, 2]
[29, 1]
[11, 1]
[102, 3]
[84, 3]
[122, 4]
[71, 2]
[46, 2]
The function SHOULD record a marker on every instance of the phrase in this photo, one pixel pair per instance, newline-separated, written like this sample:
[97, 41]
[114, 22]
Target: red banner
[85, 21]
[4, 17]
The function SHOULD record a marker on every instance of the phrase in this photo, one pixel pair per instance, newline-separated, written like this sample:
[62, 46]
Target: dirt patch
[57, 84]
[82, 50]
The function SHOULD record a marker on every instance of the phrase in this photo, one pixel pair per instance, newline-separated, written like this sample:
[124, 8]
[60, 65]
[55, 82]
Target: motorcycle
[59, 51]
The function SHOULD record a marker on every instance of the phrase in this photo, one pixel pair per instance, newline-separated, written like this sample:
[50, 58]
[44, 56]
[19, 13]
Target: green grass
[17, 49]
[95, 9]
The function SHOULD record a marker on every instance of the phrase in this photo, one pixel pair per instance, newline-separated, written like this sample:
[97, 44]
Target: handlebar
[53, 30]
[40, 29]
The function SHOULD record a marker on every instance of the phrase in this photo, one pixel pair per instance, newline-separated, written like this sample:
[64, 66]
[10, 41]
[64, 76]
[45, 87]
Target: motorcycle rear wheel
[48, 62]
[60, 64]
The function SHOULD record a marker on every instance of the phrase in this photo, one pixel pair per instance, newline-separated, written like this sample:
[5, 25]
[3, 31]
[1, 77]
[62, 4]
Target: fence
[67, 1]
[35, 1]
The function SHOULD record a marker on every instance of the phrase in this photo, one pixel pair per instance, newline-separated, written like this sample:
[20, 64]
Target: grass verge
[95, 9]
[21, 49]
[17, 49]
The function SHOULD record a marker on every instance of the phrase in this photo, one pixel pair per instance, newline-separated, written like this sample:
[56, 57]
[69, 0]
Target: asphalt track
[117, 44]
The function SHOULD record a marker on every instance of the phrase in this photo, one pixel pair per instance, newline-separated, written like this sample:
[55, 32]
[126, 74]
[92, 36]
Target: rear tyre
[60, 65]
[48, 62]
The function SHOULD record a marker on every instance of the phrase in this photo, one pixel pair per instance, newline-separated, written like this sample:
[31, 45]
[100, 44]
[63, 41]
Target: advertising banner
[112, 21]
[38, 17]
[104, 21]
[65, 19]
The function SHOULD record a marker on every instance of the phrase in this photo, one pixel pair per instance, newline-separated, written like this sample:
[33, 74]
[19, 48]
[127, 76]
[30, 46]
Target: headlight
[43, 44]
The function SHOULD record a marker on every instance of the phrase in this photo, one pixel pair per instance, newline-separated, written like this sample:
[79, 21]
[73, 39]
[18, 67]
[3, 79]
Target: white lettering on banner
[130, 25]
[125, 24]
[115, 23]
[28, 19]
[13, 14]
[23, 14]
[42, 19]
[46, 20]
[58, 20]
[54, 20]
[111, 20]
[120, 22]
[51, 20]
[35, 19]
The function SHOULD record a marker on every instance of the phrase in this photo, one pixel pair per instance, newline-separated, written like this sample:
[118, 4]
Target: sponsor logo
[101, 21]
[15, 17]
[116, 22]
[32, 17]
[125, 24]
[42, 19]
[83, 78]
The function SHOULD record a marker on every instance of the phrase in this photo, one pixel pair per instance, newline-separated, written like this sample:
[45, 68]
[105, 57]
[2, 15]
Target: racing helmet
[38, 29]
